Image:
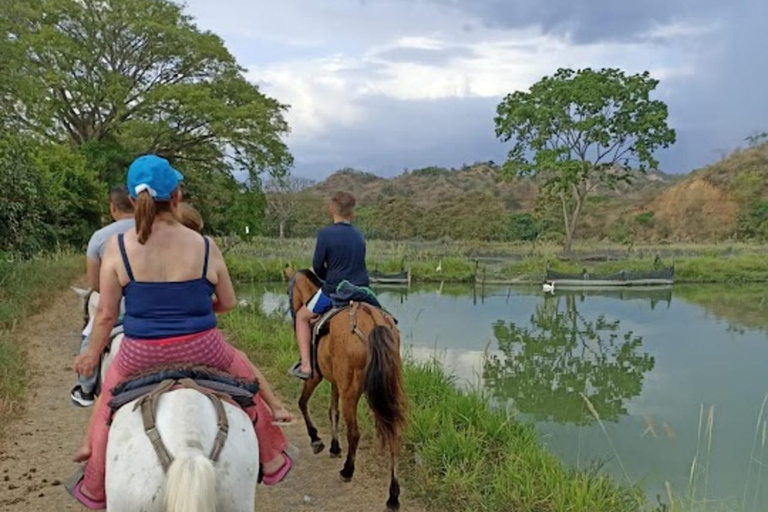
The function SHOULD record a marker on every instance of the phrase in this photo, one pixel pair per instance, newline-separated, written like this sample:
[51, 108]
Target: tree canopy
[578, 130]
[113, 79]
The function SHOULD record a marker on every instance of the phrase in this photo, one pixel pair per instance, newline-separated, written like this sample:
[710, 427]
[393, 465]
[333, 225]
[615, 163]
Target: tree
[579, 130]
[283, 196]
[138, 74]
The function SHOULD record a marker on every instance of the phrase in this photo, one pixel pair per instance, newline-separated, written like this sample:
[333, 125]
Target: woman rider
[168, 274]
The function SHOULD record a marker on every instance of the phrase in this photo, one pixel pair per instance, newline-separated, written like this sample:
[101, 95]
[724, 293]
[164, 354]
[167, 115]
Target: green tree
[135, 76]
[578, 130]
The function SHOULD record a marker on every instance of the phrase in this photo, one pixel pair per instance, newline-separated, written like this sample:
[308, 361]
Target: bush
[523, 226]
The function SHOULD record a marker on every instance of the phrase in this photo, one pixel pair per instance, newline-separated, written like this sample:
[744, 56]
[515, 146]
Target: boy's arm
[318, 261]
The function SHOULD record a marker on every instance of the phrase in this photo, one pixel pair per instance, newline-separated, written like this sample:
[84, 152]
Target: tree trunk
[282, 229]
[570, 224]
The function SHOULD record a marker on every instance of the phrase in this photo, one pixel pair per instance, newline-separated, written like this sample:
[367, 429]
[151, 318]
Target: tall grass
[460, 453]
[26, 286]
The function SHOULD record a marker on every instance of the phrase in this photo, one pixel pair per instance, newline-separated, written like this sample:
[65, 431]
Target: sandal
[279, 475]
[295, 371]
[75, 489]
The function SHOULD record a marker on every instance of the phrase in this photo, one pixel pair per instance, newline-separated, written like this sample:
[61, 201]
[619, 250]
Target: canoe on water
[377, 277]
[659, 277]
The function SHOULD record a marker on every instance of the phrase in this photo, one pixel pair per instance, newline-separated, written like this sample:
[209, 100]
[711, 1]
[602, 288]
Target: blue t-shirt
[340, 256]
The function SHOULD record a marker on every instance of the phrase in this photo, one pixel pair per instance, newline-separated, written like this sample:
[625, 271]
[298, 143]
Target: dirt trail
[36, 449]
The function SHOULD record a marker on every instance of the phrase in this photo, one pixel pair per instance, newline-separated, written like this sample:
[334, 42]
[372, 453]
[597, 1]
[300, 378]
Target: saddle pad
[322, 322]
[154, 376]
[241, 397]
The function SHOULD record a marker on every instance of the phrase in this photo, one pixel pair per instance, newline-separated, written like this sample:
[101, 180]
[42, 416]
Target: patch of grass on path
[26, 287]
[460, 454]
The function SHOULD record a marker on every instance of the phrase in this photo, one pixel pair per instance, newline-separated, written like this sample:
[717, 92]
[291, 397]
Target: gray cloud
[585, 20]
[426, 56]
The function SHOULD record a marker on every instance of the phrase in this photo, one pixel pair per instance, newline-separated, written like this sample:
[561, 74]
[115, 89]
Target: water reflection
[547, 364]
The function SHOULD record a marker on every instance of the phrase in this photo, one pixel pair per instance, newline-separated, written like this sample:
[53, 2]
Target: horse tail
[384, 388]
[191, 484]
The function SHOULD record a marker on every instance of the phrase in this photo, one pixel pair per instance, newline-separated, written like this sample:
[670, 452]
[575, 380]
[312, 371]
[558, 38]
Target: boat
[659, 277]
[403, 277]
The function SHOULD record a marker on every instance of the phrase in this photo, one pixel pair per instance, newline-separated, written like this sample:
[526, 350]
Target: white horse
[116, 335]
[187, 423]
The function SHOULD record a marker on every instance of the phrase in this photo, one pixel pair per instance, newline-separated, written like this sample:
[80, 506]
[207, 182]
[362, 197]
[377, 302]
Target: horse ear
[289, 272]
[80, 292]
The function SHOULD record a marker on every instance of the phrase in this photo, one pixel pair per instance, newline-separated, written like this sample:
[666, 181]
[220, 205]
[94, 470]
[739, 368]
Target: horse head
[302, 285]
[89, 300]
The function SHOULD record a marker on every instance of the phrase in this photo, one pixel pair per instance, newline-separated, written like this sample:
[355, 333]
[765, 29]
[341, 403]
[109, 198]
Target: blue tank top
[164, 309]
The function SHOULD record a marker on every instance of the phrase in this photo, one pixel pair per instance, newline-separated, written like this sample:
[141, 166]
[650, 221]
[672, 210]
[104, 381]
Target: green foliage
[578, 130]
[48, 197]
[139, 71]
[523, 226]
[753, 224]
[645, 218]
[117, 78]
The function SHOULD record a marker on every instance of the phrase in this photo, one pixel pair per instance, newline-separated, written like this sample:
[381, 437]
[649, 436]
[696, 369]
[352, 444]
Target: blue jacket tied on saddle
[346, 292]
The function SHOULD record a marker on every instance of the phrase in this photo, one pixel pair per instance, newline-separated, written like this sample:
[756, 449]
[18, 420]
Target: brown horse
[356, 360]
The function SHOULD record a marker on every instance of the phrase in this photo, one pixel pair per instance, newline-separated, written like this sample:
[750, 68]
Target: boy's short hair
[189, 217]
[343, 204]
[119, 197]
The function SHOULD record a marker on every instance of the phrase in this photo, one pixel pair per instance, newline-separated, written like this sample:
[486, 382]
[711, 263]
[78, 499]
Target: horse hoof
[317, 447]
[393, 504]
[335, 450]
[347, 473]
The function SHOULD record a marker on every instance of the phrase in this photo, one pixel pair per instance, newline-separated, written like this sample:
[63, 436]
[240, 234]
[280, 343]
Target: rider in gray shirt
[121, 210]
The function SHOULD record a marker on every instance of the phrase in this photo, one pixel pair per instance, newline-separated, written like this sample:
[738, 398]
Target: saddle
[322, 328]
[145, 388]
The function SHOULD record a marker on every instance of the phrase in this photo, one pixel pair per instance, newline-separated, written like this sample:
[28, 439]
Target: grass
[25, 288]
[460, 453]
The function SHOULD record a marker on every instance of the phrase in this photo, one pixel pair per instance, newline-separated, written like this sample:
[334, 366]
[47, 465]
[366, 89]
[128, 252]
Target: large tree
[137, 75]
[580, 130]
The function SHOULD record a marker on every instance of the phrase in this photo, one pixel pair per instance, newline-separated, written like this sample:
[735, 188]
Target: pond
[659, 387]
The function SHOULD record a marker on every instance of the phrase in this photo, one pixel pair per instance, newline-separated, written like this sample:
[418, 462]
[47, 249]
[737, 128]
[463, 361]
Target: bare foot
[282, 415]
[83, 454]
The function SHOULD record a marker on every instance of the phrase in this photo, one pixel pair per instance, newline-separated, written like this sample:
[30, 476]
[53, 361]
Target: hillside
[723, 201]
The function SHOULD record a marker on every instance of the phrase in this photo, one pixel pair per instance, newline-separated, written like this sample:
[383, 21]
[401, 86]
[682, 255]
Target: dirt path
[36, 449]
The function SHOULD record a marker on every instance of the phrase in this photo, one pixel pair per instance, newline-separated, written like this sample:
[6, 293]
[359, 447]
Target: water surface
[675, 377]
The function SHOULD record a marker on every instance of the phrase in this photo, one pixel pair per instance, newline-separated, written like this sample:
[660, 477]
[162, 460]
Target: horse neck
[303, 290]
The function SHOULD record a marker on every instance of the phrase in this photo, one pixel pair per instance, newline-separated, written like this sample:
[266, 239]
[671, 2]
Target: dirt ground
[36, 449]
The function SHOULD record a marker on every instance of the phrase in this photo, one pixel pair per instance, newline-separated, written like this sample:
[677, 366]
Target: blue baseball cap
[155, 175]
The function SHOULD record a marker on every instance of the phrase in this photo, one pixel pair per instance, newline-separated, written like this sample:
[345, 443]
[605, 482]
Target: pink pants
[207, 348]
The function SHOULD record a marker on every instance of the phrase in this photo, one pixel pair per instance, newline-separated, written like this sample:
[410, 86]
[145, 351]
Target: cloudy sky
[385, 85]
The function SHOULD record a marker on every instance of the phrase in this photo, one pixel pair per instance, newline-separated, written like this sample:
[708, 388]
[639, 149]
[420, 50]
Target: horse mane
[311, 276]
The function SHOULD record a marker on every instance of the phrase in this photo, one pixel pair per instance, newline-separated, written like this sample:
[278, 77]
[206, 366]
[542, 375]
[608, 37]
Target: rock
[56, 483]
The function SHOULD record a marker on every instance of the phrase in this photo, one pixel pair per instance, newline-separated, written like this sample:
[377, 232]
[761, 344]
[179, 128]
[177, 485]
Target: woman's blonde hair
[189, 217]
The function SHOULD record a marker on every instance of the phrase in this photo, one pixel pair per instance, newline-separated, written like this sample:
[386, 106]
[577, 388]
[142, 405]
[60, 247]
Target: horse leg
[333, 413]
[309, 388]
[393, 503]
[349, 402]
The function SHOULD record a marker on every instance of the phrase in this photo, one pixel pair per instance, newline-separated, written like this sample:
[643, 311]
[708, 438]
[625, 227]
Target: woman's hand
[85, 364]
[281, 415]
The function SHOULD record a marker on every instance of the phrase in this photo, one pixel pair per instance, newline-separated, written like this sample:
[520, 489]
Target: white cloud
[330, 91]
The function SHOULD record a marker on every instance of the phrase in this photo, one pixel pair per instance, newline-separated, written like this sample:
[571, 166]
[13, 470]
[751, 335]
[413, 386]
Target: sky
[389, 85]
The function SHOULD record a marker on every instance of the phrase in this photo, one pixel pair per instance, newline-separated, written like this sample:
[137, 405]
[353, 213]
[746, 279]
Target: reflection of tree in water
[546, 366]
